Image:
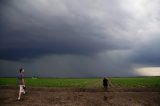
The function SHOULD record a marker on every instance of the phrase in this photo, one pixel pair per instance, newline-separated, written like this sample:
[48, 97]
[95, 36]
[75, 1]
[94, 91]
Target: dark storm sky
[84, 38]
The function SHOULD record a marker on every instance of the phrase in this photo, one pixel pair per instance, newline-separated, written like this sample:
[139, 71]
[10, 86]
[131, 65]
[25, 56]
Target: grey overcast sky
[80, 38]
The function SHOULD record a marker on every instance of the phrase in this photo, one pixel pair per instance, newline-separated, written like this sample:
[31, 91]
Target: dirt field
[80, 97]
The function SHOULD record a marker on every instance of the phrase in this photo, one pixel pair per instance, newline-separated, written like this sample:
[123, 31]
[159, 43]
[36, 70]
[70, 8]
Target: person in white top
[21, 83]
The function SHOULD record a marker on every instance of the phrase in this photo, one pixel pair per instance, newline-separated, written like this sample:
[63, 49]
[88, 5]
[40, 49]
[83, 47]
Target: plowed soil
[80, 97]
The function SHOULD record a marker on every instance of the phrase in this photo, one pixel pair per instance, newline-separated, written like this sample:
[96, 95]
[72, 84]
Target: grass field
[53, 82]
[151, 82]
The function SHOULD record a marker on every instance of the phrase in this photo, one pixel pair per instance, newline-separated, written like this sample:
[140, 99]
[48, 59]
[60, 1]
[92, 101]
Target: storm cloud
[56, 27]
[79, 38]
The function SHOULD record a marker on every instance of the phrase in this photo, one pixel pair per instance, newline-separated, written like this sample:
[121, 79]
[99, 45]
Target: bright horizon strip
[149, 71]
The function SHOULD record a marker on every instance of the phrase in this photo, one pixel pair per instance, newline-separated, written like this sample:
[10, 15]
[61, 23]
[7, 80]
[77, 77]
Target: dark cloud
[79, 38]
[147, 53]
[28, 31]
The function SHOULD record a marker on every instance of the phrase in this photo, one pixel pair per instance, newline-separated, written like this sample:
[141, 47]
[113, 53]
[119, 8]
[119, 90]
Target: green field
[53, 82]
[151, 82]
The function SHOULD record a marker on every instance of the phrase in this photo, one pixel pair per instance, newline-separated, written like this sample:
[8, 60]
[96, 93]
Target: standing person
[105, 83]
[21, 83]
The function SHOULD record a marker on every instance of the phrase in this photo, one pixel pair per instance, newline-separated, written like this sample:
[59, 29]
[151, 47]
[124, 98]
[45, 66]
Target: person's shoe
[19, 99]
[24, 93]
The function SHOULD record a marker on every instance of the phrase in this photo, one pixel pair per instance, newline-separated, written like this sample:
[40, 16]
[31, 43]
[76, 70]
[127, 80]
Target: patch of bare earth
[80, 97]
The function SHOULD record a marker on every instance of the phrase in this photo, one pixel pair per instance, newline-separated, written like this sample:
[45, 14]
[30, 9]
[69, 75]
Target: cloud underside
[113, 33]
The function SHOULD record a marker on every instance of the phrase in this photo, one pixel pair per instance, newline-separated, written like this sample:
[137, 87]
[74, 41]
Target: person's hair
[20, 70]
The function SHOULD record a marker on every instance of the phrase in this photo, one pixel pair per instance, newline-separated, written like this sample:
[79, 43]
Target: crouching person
[21, 83]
